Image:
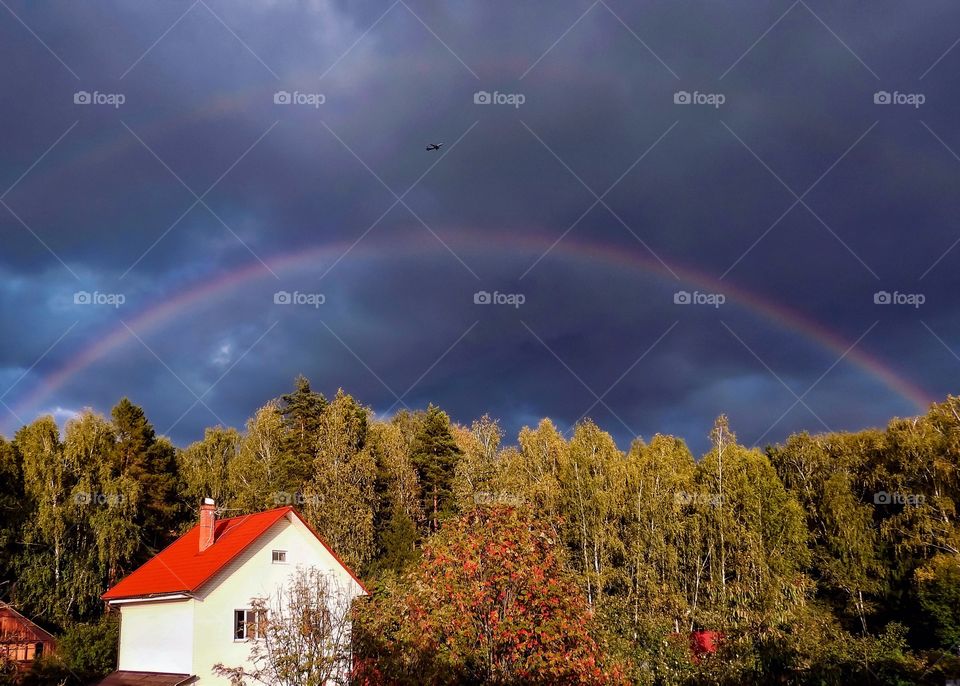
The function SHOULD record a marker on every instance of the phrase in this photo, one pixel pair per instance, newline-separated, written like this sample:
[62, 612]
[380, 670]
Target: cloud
[116, 199]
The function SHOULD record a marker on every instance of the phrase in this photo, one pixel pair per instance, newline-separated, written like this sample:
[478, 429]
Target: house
[188, 608]
[22, 641]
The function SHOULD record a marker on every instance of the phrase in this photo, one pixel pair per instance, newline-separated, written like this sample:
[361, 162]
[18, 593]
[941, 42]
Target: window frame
[282, 554]
[251, 622]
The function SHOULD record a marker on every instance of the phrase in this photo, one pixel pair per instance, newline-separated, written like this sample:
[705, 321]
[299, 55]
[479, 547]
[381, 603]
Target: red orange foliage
[490, 602]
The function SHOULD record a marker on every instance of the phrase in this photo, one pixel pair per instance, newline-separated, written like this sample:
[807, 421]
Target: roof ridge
[209, 562]
[253, 514]
[182, 567]
[22, 616]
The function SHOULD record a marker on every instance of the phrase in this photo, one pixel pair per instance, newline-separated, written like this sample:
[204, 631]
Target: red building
[22, 641]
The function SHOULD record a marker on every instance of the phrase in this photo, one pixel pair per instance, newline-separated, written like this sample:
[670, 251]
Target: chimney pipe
[208, 522]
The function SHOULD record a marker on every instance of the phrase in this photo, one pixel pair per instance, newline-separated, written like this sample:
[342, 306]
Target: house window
[248, 624]
[279, 557]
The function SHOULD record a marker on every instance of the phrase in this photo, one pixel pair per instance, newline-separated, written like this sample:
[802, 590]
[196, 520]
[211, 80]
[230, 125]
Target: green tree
[204, 467]
[938, 588]
[44, 579]
[12, 510]
[90, 650]
[107, 529]
[264, 474]
[534, 471]
[823, 473]
[435, 454]
[303, 411]
[595, 505]
[149, 461]
[339, 499]
[753, 548]
[397, 499]
[658, 560]
[475, 475]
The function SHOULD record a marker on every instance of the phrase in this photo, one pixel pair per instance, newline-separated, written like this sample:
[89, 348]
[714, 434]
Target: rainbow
[221, 285]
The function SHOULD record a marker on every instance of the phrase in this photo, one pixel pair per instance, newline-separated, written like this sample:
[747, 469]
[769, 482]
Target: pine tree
[435, 454]
[150, 462]
[302, 416]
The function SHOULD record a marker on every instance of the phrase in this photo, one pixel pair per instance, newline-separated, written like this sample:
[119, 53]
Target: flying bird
[434, 146]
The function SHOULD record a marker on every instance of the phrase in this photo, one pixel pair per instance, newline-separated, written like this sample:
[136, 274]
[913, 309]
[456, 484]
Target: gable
[15, 626]
[255, 568]
[182, 568]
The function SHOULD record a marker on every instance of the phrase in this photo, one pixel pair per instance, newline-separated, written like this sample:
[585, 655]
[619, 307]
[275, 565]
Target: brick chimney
[208, 522]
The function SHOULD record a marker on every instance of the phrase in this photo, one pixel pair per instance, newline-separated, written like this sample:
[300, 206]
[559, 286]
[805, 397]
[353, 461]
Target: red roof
[182, 568]
[704, 642]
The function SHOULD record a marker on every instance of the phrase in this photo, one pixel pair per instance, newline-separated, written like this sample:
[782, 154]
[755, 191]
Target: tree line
[558, 558]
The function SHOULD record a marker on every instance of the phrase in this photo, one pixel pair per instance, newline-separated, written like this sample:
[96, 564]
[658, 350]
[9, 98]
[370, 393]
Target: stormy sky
[647, 213]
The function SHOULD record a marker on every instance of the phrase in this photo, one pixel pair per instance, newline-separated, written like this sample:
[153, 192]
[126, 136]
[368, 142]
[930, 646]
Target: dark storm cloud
[117, 201]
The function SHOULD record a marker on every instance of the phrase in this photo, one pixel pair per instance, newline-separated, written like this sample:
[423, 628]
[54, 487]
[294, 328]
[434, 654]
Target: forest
[545, 558]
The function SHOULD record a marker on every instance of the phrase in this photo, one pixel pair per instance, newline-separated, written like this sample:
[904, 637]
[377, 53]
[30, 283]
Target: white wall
[252, 574]
[157, 636]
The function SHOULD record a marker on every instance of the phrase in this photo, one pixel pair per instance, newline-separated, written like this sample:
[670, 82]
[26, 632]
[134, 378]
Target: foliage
[829, 559]
[490, 602]
[938, 591]
[435, 454]
[204, 466]
[90, 650]
[339, 498]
